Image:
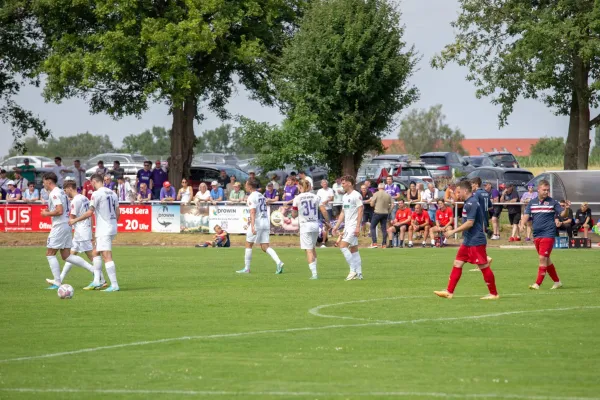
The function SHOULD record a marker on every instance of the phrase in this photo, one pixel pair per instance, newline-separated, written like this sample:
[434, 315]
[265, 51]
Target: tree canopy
[224, 139]
[155, 141]
[344, 76]
[554, 146]
[80, 145]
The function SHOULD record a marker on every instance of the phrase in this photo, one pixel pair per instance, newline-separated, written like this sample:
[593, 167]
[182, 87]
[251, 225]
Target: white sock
[348, 257]
[247, 258]
[97, 269]
[410, 242]
[432, 241]
[111, 270]
[55, 268]
[80, 262]
[357, 262]
[65, 271]
[273, 255]
[313, 267]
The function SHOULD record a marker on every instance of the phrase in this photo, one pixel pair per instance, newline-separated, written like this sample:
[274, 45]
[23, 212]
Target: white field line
[289, 330]
[295, 394]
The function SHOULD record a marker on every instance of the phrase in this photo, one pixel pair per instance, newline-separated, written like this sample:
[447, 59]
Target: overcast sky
[427, 27]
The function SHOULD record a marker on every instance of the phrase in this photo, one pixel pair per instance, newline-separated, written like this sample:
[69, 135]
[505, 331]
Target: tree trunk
[182, 141]
[582, 87]
[570, 160]
[348, 165]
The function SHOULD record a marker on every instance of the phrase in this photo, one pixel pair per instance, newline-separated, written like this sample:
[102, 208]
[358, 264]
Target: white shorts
[104, 243]
[349, 238]
[61, 237]
[308, 240]
[262, 236]
[81, 246]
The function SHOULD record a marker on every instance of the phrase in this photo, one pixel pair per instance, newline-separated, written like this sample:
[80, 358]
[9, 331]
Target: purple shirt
[12, 194]
[290, 192]
[270, 194]
[392, 190]
[529, 196]
[158, 177]
[145, 194]
[110, 185]
[495, 194]
[168, 193]
[144, 177]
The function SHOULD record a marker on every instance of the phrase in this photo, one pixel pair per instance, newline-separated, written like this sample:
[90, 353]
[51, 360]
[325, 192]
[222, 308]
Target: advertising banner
[194, 218]
[233, 219]
[24, 218]
[135, 218]
[282, 221]
[166, 218]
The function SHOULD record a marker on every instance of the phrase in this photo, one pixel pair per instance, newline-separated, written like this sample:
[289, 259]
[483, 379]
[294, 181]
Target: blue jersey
[543, 214]
[474, 236]
[485, 202]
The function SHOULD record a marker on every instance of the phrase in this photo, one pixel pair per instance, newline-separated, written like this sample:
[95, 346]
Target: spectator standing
[20, 182]
[31, 194]
[419, 222]
[565, 223]
[526, 198]
[430, 197]
[159, 176]
[271, 194]
[412, 195]
[382, 204]
[13, 193]
[510, 195]
[116, 171]
[88, 189]
[223, 179]
[326, 195]
[3, 180]
[274, 181]
[401, 223]
[290, 190]
[124, 191]
[59, 169]
[108, 182]
[252, 175]
[144, 194]
[186, 192]
[230, 184]
[167, 193]
[369, 187]
[144, 175]
[391, 189]
[583, 219]
[302, 175]
[366, 196]
[78, 173]
[237, 195]
[338, 195]
[101, 169]
[203, 194]
[27, 170]
[216, 193]
[496, 211]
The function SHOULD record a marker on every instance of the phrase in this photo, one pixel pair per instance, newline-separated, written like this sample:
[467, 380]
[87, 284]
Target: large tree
[120, 55]
[539, 49]
[345, 75]
[424, 130]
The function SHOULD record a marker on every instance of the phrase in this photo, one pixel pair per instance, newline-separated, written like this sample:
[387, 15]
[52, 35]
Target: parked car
[392, 158]
[574, 185]
[411, 171]
[210, 172]
[216, 158]
[441, 164]
[496, 175]
[36, 161]
[109, 158]
[480, 161]
[503, 159]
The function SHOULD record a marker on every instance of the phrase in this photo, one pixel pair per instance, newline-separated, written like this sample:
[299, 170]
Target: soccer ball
[65, 291]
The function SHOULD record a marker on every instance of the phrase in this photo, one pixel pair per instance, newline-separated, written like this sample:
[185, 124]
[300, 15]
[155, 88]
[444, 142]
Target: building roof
[474, 147]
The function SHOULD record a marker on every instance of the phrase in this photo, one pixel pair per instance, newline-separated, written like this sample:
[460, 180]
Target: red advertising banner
[24, 218]
[135, 218]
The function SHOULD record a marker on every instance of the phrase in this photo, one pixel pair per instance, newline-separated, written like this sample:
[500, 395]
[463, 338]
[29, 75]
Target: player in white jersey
[105, 206]
[306, 207]
[82, 239]
[60, 234]
[258, 227]
[351, 215]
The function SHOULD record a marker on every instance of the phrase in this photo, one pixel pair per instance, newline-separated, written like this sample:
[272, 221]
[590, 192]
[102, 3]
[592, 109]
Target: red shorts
[472, 254]
[544, 246]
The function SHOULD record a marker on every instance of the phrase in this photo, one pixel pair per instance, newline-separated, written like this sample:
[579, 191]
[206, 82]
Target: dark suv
[504, 159]
[441, 164]
[210, 172]
[496, 175]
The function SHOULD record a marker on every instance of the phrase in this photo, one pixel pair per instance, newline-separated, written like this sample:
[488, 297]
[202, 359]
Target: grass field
[186, 325]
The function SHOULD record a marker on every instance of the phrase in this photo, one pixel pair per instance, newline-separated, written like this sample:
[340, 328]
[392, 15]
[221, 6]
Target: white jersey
[257, 201]
[351, 203]
[83, 229]
[326, 195]
[105, 203]
[307, 205]
[56, 198]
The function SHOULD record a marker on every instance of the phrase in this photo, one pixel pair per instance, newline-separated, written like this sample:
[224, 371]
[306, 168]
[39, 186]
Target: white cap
[251, 171]
[214, 183]
[10, 183]
[69, 178]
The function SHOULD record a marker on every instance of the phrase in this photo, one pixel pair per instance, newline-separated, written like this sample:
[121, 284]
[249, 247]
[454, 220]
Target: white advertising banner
[166, 218]
[233, 219]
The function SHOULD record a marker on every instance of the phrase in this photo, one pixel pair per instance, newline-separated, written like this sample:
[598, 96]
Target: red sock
[490, 280]
[552, 273]
[454, 278]
[541, 274]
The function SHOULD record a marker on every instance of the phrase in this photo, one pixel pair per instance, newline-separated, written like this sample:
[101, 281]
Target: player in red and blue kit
[485, 201]
[544, 212]
[473, 248]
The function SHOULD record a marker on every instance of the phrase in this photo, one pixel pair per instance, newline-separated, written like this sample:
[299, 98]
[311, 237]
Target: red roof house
[474, 147]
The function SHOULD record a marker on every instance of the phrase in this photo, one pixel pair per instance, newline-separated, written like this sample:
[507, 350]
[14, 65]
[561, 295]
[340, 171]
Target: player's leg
[356, 260]
[543, 257]
[311, 256]
[411, 232]
[95, 266]
[345, 248]
[480, 253]
[462, 256]
[250, 240]
[104, 247]
[55, 282]
[263, 239]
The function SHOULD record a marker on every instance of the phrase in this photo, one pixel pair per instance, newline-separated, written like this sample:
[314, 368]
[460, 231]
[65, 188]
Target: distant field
[185, 325]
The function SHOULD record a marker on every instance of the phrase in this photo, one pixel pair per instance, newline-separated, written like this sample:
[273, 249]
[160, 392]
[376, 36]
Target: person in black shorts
[510, 195]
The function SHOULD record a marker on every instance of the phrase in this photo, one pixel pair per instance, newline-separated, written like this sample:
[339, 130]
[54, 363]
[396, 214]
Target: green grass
[170, 293]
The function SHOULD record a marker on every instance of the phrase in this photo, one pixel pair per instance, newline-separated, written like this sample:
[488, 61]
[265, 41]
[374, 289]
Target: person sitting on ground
[419, 222]
[323, 237]
[583, 220]
[565, 223]
[400, 223]
[203, 194]
[444, 222]
[144, 194]
[221, 239]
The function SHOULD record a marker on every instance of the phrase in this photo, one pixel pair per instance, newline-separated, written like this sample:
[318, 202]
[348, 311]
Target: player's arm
[359, 219]
[252, 219]
[339, 221]
[117, 210]
[85, 215]
[527, 214]
[294, 209]
[58, 210]
[325, 214]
